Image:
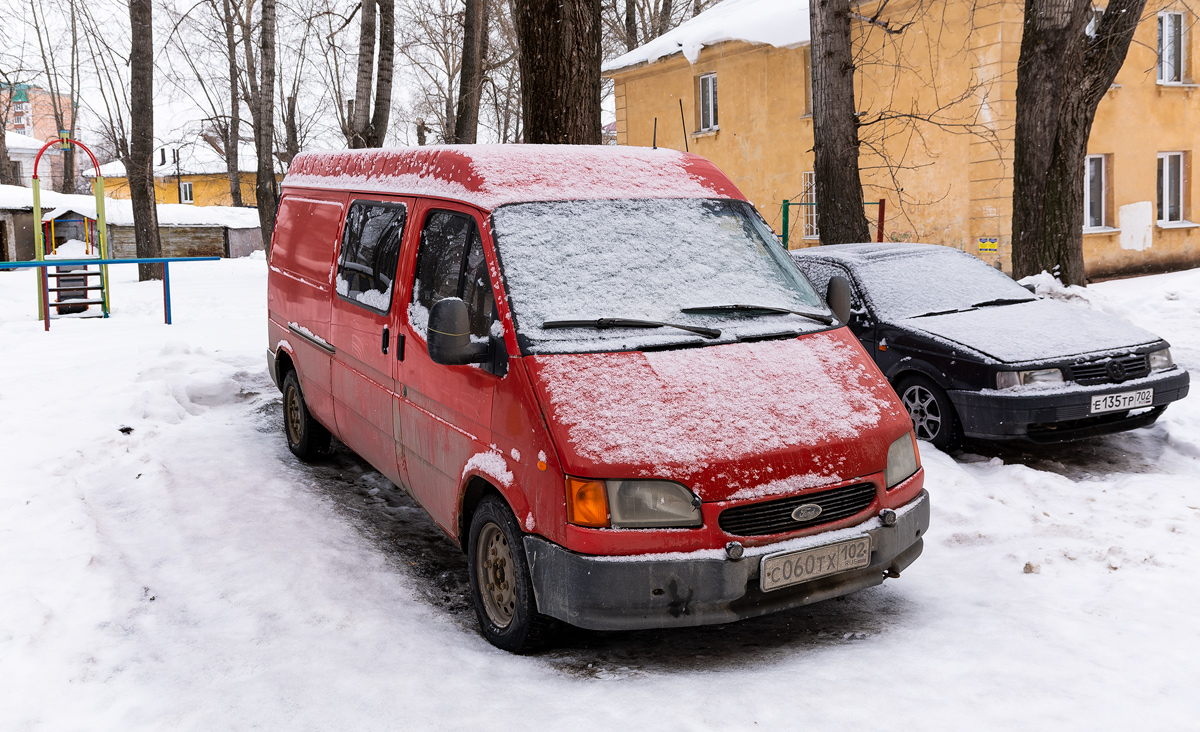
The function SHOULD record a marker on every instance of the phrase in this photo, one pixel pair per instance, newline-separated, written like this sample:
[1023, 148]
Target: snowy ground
[166, 564]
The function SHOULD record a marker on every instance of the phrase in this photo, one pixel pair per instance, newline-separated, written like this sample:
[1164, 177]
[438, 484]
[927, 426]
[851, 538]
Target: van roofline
[489, 176]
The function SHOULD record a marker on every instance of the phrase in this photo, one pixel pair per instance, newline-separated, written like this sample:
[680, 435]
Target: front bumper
[705, 587]
[1063, 414]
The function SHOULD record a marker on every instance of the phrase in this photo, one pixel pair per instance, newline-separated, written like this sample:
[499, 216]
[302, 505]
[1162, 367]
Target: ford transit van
[599, 373]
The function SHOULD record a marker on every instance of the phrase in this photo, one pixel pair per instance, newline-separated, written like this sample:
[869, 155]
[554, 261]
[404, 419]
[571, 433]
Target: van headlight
[1009, 379]
[631, 504]
[1161, 360]
[643, 504]
[902, 460]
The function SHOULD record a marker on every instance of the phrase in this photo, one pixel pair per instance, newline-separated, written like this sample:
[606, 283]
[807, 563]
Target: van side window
[450, 263]
[370, 251]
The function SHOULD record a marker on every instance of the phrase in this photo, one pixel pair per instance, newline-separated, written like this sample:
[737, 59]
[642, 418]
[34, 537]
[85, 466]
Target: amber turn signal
[587, 502]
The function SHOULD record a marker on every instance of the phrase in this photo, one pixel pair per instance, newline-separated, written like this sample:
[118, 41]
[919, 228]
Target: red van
[600, 374]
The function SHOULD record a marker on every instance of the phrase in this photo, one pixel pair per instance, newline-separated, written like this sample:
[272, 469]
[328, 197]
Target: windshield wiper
[603, 323]
[940, 312]
[1003, 301]
[819, 317]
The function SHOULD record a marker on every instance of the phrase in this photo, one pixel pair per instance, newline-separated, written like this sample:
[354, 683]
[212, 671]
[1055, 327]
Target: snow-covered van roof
[492, 175]
[778, 23]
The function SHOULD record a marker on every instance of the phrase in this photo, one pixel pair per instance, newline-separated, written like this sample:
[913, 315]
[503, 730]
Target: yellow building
[938, 105]
[192, 174]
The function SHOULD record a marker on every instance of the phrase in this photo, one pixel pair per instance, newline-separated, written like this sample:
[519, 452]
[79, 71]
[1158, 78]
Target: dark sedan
[971, 352]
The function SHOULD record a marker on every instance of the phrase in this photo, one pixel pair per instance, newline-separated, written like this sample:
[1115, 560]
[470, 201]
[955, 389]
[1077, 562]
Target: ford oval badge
[806, 512]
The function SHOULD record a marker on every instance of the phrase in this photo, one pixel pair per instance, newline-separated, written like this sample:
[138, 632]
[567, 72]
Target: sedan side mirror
[449, 334]
[837, 294]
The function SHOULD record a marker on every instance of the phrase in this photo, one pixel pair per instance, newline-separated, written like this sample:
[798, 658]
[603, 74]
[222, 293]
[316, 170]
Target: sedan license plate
[1125, 400]
[790, 568]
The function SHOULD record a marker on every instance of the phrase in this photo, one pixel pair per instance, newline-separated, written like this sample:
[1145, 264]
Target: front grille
[1111, 370]
[775, 517]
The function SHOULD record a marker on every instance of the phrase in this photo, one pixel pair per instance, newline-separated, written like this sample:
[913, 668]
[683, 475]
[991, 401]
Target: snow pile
[16, 142]
[1048, 286]
[492, 175]
[677, 411]
[74, 249]
[779, 23]
[583, 260]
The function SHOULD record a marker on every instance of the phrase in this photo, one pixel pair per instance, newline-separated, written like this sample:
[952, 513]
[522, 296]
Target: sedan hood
[1038, 330]
[733, 421]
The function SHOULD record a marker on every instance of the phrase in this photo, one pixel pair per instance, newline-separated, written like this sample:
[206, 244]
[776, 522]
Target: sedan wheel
[931, 412]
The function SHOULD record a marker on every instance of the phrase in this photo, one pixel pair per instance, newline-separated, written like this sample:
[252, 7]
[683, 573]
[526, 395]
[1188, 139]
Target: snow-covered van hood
[1037, 330]
[736, 420]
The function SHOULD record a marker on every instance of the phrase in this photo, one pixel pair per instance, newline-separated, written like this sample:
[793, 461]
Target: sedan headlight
[1161, 360]
[1008, 379]
[631, 504]
[902, 460]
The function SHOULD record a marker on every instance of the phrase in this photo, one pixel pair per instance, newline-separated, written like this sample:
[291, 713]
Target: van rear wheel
[306, 437]
[501, 588]
[931, 411]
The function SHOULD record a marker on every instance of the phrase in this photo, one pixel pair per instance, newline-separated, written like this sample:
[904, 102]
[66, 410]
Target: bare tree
[139, 170]
[368, 124]
[12, 73]
[474, 60]
[559, 44]
[265, 187]
[64, 112]
[1062, 76]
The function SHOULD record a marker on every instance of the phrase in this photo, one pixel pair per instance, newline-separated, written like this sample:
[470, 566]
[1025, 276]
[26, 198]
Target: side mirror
[1031, 287]
[449, 334]
[837, 294]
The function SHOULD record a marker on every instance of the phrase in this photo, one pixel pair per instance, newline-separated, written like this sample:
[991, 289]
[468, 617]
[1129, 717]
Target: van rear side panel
[300, 290]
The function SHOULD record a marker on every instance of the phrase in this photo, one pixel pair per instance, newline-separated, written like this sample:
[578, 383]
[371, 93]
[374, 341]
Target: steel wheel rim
[494, 572]
[924, 412]
[294, 418]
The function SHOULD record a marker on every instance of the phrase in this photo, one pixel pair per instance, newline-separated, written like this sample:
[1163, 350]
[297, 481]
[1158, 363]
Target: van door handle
[400, 347]
[386, 339]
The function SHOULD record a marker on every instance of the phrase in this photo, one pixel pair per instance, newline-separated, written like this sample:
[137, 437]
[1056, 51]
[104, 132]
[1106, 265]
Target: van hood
[1038, 330]
[742, 420]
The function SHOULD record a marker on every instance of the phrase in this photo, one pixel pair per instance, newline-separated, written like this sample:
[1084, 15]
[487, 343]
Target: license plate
[1125, 400]
[790, 568]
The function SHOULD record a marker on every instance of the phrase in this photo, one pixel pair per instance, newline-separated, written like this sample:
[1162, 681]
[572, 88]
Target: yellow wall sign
[988, 244]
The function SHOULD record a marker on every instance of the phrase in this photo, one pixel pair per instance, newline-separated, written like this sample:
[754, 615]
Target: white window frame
[1171, 70]
[185, 192]
[709, 103]
[809, 179]
[1089, 225]
[1166, 187]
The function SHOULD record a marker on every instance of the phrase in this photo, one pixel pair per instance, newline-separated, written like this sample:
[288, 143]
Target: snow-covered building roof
[492, 175]
[17, 142]
[119, 212]
[779, 23]
[197, 158]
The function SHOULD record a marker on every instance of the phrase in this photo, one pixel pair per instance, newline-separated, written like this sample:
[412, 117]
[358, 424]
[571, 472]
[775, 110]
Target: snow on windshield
[934, 281]
[644, 259]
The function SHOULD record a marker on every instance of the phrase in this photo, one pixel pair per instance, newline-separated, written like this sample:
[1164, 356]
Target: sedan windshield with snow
[599, 265]
[902, 287]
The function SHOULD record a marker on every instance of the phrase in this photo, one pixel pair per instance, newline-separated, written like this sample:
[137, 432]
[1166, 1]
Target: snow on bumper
[1061, 414]
[701, 588]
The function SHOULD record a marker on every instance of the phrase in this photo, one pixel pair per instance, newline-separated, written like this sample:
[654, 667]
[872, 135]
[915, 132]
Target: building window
[1095, 190]
[16, 172]
[708, 102]
[185, 192]
[1170, 48]
[1170, 187]
[809, 199]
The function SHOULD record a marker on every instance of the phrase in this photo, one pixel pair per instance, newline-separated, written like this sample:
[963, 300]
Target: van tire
[306, 437]
[497, 565]
[931, 411]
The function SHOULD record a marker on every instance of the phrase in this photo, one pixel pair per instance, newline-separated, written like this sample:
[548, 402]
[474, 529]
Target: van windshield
[650, 260]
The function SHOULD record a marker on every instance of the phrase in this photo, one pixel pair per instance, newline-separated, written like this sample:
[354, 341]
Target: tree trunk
[559, 43]
[291, 131]
[1061, 77]
[841, 218]
[366, 74]
[6, 172]
[265, 188]
[664, 19]
[383, 82]
[631, 36]
[140, 164]
[233, 127]
[470, 87]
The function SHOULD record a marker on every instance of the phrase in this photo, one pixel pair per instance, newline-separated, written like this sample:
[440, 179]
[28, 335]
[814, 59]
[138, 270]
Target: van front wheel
[306, 437]
[501, 588]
